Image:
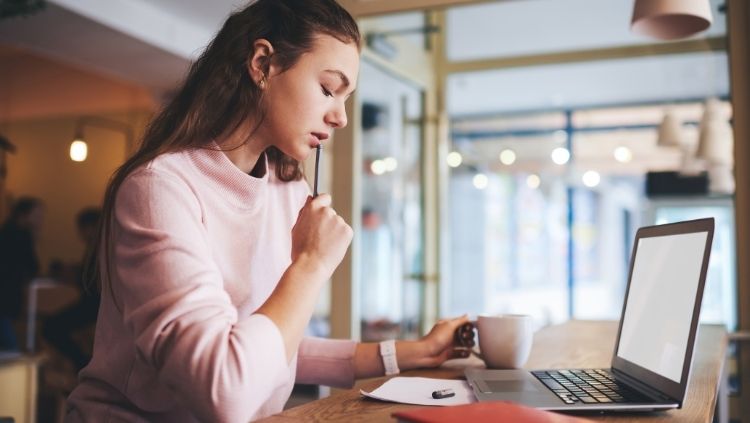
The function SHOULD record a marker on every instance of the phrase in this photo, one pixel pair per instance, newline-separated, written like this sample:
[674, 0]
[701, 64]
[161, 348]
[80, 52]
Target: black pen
[443, 393]
[317, 165]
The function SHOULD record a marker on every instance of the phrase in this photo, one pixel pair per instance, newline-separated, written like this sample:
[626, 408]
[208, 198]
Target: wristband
[388, 352]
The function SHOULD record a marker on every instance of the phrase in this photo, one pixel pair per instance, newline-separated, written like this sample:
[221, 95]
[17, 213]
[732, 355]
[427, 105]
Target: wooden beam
[346, 190]
[359, 8]
[738, 13]
[691, 46]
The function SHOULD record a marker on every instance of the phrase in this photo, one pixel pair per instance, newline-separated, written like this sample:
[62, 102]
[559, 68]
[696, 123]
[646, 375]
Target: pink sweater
[199, 246]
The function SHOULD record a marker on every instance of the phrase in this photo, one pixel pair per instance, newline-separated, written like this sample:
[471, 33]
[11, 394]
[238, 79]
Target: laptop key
[587, 387]
[551, 384]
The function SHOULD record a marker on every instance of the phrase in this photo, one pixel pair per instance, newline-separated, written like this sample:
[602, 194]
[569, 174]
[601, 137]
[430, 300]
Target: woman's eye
[326, 92]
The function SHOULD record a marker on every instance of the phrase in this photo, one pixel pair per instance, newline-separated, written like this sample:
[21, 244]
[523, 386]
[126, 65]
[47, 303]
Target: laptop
[654, 347]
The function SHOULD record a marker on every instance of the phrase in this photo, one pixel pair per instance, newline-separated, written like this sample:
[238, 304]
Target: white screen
[659, 310]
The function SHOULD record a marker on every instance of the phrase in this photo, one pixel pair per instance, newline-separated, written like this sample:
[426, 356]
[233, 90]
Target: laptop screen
[659, 309]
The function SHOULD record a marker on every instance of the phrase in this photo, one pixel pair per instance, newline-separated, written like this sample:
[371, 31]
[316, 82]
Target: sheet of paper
[418, 390]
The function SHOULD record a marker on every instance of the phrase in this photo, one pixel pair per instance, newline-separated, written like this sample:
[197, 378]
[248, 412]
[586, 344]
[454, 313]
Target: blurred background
[499, 159]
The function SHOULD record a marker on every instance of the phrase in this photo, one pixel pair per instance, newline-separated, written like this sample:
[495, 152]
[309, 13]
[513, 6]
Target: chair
[722, 408]
[46, 296]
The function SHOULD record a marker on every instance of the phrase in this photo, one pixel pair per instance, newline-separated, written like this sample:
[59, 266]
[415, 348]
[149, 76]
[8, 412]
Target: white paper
[418, 390]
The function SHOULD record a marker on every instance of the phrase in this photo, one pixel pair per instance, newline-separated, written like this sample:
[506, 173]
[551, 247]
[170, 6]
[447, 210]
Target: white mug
[505, 340]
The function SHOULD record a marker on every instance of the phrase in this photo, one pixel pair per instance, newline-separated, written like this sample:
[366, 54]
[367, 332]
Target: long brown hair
[218, 95]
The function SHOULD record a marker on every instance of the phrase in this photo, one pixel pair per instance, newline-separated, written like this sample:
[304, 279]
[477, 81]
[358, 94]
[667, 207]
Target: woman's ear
[259, 63]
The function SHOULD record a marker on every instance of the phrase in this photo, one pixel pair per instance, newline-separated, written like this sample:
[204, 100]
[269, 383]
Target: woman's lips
[318, 137]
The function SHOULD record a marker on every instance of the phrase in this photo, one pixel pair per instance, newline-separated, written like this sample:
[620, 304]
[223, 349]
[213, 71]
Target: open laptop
[654, 347]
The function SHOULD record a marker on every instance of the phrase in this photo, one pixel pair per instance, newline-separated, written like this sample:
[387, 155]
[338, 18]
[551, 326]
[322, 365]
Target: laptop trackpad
[506, 386]
[511, 385]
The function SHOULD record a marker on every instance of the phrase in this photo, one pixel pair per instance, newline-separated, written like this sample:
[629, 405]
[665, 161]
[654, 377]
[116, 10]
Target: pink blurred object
[670, 19]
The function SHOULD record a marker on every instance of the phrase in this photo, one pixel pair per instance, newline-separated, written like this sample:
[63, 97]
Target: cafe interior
[499, 159]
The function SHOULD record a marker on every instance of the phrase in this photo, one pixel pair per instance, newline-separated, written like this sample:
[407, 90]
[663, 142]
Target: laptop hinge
[642, 387]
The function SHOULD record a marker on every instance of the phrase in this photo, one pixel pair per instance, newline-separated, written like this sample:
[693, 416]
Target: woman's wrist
[368, 358]
[312, 267]
[411, 354]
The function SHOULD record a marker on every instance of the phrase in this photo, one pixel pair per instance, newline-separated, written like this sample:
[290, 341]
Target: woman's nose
[336, 118]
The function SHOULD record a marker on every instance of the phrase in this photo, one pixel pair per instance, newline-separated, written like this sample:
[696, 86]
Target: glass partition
[391, 265]
[544, 207]
[562, 146]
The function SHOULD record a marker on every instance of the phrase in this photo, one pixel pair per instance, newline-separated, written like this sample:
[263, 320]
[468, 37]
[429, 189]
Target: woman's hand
[440, 343]
[434, 348]
[319, 240]
[431, 351]
[320, 234]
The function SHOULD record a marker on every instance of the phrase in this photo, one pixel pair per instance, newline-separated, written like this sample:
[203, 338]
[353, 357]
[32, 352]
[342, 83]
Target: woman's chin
[305, 154]
[299, 154]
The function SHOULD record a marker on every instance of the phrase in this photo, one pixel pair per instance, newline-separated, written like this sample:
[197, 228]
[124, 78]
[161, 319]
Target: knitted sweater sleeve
[220, 366]
[326, 362]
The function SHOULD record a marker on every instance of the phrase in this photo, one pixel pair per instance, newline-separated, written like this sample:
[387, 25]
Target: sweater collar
[239, 188]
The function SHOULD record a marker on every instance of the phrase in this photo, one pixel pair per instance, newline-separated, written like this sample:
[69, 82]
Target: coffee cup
[505, 340]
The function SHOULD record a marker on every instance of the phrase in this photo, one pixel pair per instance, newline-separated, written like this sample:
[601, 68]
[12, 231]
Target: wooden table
[18, 386]
[575, 344]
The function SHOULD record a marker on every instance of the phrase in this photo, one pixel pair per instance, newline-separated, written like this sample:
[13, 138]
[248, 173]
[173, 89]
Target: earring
[262, 82]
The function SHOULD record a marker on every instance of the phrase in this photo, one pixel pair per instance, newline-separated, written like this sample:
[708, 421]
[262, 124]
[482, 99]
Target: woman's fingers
[320, 233]
[322, 200]
[460, 353]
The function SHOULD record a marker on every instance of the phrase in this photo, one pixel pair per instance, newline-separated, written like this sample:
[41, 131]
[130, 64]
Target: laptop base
[522, 387]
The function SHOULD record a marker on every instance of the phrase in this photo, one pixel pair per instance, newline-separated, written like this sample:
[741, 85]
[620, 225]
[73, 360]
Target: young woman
[213, 253]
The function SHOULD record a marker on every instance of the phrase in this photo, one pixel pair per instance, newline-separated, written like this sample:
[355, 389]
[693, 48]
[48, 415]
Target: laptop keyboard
[588, 387]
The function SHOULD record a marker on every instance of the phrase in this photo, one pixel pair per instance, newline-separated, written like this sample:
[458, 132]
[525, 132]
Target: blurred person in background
[59, 328]
[19, 263]
[6, 147]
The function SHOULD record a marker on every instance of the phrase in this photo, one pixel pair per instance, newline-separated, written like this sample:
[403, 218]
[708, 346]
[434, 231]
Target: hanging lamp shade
[715, 139]
[671, 19]
[670, 131]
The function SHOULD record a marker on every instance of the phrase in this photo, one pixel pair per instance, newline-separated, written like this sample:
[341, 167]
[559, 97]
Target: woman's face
[306, 102]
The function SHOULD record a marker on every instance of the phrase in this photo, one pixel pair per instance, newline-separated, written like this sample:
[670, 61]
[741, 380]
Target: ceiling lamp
[670, 19]
[533, 181]
[560, 155]
[716, 147]
[480, 181]
[715, 140]
[623, 154]
[79, 149]
[670, 131]
[378, 167]
[454, 159]
[507, 157]
[591, 178]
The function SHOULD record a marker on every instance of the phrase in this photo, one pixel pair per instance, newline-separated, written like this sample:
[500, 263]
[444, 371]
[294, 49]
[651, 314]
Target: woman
[213, 252]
